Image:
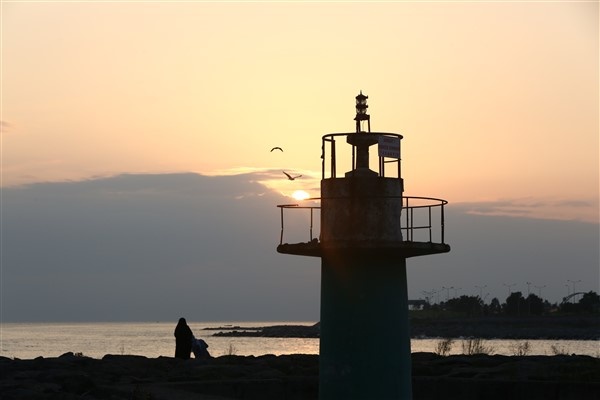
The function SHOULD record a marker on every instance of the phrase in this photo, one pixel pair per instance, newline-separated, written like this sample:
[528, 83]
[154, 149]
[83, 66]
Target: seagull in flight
[291, 178]
[277, 148]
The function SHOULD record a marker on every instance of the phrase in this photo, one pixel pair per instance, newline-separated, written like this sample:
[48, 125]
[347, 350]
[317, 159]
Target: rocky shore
[295, 331]
[568, 327]
[290, 377]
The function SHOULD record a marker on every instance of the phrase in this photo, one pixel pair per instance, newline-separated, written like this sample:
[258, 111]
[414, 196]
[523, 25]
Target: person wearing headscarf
[183, 340]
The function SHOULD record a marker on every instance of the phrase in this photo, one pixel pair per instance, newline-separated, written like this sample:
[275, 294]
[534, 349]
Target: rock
[292, 377]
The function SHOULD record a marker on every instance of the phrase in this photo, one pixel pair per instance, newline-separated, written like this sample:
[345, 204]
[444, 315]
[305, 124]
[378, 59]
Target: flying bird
[277, 148]
[291, 178]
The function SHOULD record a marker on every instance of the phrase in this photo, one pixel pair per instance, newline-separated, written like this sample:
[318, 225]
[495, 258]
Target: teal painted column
[365, 336]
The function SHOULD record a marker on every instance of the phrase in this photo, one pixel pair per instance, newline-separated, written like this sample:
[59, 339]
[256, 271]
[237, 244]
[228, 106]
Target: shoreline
[567, 327]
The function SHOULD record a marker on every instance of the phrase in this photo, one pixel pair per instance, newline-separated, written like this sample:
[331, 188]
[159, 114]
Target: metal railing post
[281, 235]
[443, 223]
[407, 229]
[333, 160]
[311, 223]
[412, 224]
[323, 158]
[429, 209]
[407, 224]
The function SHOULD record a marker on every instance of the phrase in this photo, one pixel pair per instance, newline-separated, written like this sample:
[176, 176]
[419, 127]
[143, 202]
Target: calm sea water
[31, 340]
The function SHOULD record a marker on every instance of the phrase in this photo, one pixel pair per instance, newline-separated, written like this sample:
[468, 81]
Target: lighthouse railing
[335, 150]
[421, 218]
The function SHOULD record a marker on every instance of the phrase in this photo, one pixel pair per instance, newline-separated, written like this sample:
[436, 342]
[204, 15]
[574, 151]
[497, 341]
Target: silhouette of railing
[418, 215]
[330, 147]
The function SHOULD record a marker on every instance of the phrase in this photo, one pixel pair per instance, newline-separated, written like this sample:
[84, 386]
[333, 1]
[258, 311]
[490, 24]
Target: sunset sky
[498, 102]
[495, 100]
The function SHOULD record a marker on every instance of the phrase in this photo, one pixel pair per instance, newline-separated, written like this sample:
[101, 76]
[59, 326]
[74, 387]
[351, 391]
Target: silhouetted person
[183, 340]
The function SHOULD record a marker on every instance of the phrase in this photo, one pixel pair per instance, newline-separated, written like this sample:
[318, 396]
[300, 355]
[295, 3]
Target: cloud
[275, 180]
[577, 203]
[150, 247]
[562, 209]
[154, 247]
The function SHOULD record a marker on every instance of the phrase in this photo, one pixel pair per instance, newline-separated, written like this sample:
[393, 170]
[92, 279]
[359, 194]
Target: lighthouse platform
[422, 225]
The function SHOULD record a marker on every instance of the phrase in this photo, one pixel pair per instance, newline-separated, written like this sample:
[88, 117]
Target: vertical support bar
[311, 223]
[333, 160]
[412, 224]
[399, 161]
[408, 230]
[443, 242]
[429, 209]
[323, 158]
[353, 168]
[281, 235]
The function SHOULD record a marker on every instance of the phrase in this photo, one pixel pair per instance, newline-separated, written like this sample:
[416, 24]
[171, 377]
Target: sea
[155, 339]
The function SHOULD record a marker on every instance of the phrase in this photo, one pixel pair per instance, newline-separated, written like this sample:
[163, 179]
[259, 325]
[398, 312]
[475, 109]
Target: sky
[116, 115]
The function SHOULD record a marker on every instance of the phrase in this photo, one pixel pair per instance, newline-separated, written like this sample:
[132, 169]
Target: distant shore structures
[368, 228]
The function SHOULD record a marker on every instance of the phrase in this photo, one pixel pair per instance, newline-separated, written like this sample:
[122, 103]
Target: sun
[300, 195]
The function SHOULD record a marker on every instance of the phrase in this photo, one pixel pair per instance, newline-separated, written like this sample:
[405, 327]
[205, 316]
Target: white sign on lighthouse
[389, 146]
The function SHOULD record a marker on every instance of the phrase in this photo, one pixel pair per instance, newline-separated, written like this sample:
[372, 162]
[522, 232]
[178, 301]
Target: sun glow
[300, 195]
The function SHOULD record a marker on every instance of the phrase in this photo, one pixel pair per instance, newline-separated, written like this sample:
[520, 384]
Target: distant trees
[516, 305]
[535, 305]
[466, 305]
[513, 304]
[494, 307]
[589, 303]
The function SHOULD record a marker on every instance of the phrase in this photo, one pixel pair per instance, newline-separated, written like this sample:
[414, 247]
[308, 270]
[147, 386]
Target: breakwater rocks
[295, 331]
[567, 327]
[290, 377]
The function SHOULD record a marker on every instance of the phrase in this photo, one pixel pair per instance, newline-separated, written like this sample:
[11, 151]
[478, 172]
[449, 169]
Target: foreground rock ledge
[290, 377]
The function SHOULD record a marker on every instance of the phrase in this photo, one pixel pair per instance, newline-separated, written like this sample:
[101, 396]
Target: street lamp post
[481, 290]
[428, 296]
[509, 286]
[447, 291]
[539, 288]
[573, 283]
[456, 291]
[573, 287]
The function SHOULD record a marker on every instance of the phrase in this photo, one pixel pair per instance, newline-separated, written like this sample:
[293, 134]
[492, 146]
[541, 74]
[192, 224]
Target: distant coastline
[567, 327]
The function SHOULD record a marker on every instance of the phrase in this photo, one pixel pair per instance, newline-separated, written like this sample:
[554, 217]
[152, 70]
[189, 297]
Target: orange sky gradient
[497, 101]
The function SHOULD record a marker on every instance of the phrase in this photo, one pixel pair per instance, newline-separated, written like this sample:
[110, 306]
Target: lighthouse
[368, 229]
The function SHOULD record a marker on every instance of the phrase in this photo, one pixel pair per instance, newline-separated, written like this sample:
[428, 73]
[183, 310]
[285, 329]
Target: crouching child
[200, 349]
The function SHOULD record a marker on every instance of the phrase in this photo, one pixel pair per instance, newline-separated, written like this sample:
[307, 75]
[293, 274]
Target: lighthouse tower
[368, 229]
